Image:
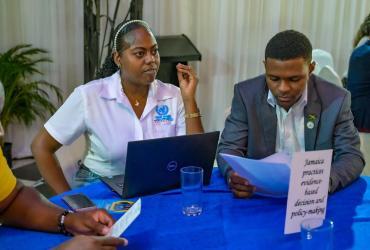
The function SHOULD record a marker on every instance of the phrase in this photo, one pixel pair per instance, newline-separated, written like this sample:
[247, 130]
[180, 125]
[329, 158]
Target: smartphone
[78, 202]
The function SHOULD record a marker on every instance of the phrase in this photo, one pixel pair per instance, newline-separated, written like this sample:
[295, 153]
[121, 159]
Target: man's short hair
[289, 44]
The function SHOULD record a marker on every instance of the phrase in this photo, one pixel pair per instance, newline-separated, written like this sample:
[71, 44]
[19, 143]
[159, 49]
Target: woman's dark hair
[120, 44]
[287, 45]
[364, 30]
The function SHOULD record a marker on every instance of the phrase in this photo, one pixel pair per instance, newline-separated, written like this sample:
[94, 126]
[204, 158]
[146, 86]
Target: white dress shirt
[290, 125]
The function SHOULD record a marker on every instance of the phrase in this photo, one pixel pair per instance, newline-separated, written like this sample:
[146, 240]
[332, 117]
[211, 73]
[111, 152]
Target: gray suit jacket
[250, 129]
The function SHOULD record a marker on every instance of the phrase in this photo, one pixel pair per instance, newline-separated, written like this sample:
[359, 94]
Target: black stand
[174, 50]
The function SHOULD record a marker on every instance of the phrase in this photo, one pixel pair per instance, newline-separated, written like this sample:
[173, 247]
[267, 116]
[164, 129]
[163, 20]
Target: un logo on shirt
[162, 109]
[163, 116]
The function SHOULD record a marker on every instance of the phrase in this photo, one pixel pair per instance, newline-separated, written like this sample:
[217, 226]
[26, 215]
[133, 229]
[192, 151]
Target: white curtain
[56, 26]
[230, 34]
[52, 25]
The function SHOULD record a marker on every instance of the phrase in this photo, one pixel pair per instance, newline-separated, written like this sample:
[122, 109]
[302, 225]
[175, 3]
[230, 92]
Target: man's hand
[90, 222]
[82, 242]
[239, 186]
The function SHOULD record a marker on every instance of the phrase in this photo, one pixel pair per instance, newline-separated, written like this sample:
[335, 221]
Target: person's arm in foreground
[43, 149]
[188, 84]
[234, 140]
[83, 242]
[25, 208]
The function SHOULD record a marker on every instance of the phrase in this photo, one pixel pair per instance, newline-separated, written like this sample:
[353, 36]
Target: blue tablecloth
[226, 222]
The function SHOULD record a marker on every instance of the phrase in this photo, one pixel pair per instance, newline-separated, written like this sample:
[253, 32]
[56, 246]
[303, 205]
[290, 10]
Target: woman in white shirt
[128, 105]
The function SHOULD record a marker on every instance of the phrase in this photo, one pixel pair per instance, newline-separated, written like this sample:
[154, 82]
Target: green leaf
[25, 99]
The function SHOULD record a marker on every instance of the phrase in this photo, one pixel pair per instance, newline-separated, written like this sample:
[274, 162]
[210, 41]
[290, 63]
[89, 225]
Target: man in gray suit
[288, 109]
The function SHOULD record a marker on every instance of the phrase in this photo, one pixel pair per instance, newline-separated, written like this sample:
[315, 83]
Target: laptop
[153, 165]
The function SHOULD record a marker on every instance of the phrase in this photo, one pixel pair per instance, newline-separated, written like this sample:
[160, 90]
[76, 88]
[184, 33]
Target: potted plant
[25, 98]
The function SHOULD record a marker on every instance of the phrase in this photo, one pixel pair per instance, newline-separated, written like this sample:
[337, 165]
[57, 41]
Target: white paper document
[124, 222]
[270, 175]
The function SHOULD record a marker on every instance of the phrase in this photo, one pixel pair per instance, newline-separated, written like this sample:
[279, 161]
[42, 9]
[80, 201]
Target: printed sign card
[308, 188]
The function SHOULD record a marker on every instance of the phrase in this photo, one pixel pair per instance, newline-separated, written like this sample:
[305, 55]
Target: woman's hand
[188, 84]
[187, 81]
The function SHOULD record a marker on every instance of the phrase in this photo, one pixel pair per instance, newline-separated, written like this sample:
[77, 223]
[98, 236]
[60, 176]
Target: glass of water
[191, 187]
[317, 234]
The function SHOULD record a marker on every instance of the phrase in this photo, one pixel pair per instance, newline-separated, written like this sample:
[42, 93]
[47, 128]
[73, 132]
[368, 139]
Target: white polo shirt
[102, 112]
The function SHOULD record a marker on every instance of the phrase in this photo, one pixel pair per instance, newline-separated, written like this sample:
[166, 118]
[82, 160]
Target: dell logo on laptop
[171, 166]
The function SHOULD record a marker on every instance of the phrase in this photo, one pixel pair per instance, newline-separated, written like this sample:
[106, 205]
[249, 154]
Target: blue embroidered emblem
[162, 110]
[163, 116]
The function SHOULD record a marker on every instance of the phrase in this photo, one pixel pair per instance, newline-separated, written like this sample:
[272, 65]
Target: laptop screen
[153, 165]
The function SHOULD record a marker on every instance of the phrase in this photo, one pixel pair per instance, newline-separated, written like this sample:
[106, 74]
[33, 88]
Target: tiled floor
[26, 171]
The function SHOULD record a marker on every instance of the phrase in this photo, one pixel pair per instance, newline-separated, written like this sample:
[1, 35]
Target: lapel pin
[311, 121]
[310, 125]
